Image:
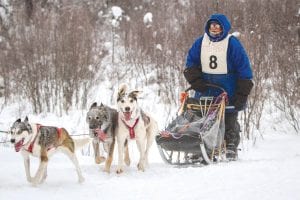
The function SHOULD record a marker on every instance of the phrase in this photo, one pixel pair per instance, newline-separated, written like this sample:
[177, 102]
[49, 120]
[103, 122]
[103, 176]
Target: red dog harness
[131, 128]
[30, 148]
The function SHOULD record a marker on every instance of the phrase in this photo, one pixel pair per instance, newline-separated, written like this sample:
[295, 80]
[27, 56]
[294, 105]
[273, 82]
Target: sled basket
[196, 135]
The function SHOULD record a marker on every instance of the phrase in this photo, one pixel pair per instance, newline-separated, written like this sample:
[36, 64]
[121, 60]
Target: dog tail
[81, 142]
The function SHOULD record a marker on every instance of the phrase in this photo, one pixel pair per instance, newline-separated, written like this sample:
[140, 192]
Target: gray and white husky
[134, 123]
[102, 122]
[42, 142]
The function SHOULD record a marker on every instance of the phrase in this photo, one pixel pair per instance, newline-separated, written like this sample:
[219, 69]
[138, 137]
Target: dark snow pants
[232, 129]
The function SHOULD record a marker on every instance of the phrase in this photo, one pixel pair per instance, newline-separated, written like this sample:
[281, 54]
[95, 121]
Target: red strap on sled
[183, 96]
[131, 128]
[165, 134]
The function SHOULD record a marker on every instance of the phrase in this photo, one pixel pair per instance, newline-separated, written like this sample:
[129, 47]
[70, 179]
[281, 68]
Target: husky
[102, 121]
[133, 123]
[42, 142]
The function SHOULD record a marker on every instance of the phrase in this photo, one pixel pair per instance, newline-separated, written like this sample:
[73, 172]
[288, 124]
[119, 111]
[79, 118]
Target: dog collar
[131, 128]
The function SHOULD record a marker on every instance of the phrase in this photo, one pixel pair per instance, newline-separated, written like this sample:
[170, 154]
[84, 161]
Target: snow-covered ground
[269, 170]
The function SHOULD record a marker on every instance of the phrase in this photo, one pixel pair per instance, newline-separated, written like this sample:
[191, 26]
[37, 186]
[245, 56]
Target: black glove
[244, 87]
[193, 76]
[199, 85]
[239, 101]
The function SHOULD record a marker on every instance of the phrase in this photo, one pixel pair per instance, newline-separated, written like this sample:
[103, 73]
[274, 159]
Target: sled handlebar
[209, 85]
[229, 107]
[214, 86]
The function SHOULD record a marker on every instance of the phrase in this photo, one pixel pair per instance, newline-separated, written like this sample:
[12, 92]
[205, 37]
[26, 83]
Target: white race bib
[214, 55]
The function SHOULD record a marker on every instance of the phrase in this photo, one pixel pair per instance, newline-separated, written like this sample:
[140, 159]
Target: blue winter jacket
[238, 65]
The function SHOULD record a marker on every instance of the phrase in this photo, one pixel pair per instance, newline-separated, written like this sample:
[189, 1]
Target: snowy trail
[270, 170]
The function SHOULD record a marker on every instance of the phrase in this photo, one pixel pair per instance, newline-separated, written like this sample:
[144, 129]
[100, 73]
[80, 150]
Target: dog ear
[18, 120]
[26, 119]
[93, 105]
[101, 105]
[122, 89]
[134, 94]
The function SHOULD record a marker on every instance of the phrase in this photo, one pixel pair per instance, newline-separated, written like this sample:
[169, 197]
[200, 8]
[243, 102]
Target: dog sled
[196, 135]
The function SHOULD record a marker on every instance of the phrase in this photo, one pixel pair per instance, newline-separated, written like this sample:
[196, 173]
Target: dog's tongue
[101, 134]
[19, 145]
[127, 115]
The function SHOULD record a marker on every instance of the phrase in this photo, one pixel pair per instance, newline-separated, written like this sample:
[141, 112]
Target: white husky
[43, 142]
[133, 123]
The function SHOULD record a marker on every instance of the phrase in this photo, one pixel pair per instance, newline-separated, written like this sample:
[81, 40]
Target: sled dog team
[106, 125]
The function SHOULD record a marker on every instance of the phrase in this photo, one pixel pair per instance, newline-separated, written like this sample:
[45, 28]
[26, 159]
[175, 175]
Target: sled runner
[196, 135]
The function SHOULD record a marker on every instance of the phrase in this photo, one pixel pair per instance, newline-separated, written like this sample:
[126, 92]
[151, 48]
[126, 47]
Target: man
[219, 58]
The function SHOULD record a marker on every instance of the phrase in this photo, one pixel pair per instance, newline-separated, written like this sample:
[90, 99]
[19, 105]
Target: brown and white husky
[42, 142]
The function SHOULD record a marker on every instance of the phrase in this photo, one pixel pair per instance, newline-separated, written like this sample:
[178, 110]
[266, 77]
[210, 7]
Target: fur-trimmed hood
[223, 21]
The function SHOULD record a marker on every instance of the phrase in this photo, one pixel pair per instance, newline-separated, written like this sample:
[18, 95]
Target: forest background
[54, 53]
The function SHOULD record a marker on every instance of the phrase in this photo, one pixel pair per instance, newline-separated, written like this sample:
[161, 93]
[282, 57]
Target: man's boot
[231, 152]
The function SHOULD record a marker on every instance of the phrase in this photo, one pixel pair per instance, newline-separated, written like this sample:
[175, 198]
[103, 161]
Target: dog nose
[12, 140]
[127, 109]
[92, 126]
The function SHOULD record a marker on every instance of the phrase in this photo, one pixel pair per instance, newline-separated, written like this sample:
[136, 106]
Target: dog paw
[127, 161]
[141, 167]
[42, 180]
[30, 180]
[34, 183]
[99, 159]
[119, 171]
[81, 180]
[107, 170]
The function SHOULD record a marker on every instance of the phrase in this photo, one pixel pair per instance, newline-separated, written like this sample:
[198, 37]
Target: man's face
[215, 28]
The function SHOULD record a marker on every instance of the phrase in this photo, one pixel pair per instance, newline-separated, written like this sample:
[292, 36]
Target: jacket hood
[224, 22]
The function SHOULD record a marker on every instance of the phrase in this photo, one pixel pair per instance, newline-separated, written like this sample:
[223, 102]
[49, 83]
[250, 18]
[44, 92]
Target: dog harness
[131, 128]
[30, 148]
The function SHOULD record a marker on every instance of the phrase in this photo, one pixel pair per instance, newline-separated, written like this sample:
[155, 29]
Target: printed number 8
[213, 62]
